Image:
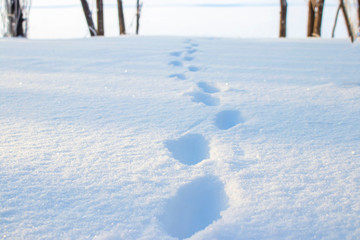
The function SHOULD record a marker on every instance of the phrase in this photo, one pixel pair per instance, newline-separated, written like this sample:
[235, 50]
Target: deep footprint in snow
[207, 88]
[178, 76]
[194, 207]
[204, 98]
[228, 119]
[191, 51]
[176, 54]
[189, 149]
[176, 63]
[193, 68]
[188, 58]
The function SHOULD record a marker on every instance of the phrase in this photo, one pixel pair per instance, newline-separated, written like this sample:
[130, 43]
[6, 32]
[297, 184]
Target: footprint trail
[199, 203]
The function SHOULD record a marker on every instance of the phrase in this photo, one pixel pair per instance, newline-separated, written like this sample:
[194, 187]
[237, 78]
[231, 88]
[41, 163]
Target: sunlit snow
[106, 138]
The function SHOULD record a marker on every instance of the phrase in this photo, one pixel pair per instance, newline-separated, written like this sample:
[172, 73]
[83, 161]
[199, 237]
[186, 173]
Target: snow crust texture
[179, 138]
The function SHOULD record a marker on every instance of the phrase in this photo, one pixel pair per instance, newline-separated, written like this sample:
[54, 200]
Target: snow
[179, 137]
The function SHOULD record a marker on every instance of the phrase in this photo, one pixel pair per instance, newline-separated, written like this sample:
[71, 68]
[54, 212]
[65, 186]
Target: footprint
[194, 207]
[204, 98]
[191, 51]
[189, 149]
[228, 119]
[194, 44]
[176, 54]
[188, 58]
[178, 76]
[207, 88]
[193, 68]
[175, 63]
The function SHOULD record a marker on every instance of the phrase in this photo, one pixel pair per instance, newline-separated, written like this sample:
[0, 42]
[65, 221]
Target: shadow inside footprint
[178, 76]
[228, 119]
[194, 207]
[188, 58]
[176, 54]
[191, 51]
[207, 88]
[193, 68]
[205, 98]
[189, 149]
[175, 63]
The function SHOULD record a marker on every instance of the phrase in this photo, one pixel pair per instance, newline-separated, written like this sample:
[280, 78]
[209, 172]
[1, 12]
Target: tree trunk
[359, 13]
[16, 18]
[121, 17]
[311, 19]
[88, 17]
[137, 16]
[348, 25]
[283, 12]
[100, 17]
[336, 19]
[318, 18]
[11, 17]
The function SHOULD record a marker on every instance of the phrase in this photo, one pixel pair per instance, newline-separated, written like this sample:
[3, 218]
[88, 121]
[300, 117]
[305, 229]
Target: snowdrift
[172, 138]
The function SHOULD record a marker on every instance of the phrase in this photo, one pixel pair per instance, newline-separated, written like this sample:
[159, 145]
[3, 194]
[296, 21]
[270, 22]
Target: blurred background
[208, 18]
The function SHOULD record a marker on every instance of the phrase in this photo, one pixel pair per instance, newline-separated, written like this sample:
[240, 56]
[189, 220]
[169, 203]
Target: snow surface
[173, 137]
